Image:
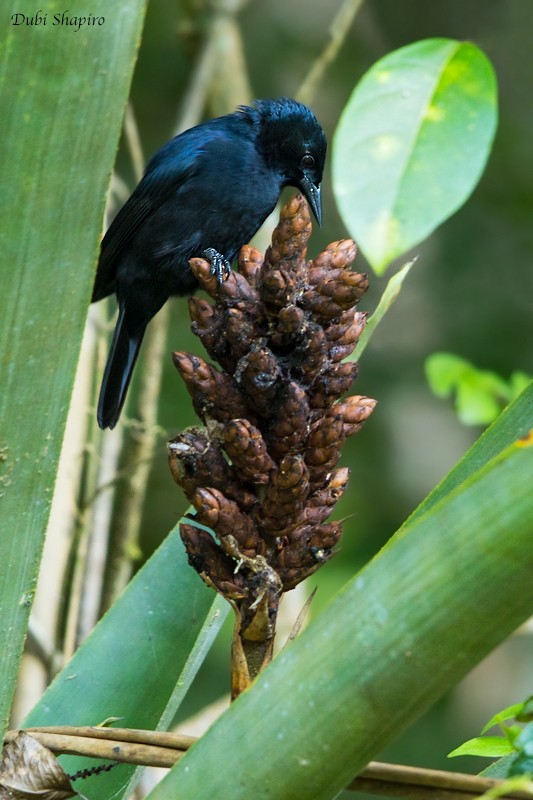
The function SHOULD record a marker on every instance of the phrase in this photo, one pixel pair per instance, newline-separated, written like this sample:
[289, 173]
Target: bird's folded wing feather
[175, 163]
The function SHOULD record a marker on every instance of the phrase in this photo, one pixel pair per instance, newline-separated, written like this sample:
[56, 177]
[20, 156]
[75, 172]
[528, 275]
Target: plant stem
[161, 749]
[337, 34]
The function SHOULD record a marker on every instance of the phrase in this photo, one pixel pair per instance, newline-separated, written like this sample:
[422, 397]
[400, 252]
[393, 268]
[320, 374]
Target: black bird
[204, 193]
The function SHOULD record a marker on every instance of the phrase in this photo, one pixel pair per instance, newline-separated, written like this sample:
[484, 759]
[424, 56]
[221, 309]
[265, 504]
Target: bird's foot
[220, 266]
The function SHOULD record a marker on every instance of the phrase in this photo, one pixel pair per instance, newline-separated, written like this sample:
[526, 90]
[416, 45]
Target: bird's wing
[172, 165]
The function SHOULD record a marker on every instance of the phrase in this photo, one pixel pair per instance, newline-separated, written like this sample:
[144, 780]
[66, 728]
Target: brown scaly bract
[262, 472]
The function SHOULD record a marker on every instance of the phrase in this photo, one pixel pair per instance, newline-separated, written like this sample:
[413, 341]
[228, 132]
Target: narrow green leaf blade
[139, 661]
[503, 716]
[486, 746]
[387, 299]
[62, 95]
[412, 143]
[399, 635]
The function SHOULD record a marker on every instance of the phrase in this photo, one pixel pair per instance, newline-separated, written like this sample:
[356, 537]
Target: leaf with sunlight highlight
[412, 144]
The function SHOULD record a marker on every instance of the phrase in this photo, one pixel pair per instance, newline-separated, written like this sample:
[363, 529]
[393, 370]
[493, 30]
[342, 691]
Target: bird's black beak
[312, 195]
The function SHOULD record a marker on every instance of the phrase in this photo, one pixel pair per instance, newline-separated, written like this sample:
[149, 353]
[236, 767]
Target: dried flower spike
[262, 473]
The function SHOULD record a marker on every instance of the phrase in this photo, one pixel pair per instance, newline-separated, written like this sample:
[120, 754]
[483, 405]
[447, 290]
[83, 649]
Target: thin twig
[140, 446]
[196, 95]
[163, 749]
[230, 85]
[338, 31]
[138, 454]
[133, 140]
[222, 45]
[39, 644]
[300, 619]
[395, 780]
[337, 34]
[102, 513]
[195, 98]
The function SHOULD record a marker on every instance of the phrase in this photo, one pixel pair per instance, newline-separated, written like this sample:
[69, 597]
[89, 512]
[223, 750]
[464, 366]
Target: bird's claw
[220, 266]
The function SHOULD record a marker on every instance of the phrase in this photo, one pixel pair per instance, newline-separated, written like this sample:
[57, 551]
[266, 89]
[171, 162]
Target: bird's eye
[307, 161]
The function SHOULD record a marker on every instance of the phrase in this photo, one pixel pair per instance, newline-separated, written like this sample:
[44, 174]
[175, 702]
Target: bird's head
[293, 143]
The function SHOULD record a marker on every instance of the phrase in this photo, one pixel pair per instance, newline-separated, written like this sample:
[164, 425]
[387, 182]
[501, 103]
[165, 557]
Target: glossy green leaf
[486, 746]
[139, 661]
[425, 610]
[412, 143]
[62, 95]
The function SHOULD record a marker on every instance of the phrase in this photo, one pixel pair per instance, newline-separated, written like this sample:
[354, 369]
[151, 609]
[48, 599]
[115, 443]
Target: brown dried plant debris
[29, 770]
[262, 472]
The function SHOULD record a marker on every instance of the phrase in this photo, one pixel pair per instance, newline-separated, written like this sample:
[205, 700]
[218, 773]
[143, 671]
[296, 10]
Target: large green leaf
[412, 143]
[62, 95]
[139, 661]
[444, 591]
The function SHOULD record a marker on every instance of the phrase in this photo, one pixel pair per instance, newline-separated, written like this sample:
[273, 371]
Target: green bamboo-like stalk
[62, 94]
[443, 592]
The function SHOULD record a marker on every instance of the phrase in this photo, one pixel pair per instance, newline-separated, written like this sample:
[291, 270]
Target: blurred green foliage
[480, 394]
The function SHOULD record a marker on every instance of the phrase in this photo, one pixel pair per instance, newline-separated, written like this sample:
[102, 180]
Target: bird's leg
[220, 266]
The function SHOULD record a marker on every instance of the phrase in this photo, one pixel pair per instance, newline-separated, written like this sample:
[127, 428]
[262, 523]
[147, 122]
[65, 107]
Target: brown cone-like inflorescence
[262, 472]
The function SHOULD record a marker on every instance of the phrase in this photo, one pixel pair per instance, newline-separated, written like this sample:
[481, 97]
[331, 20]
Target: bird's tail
[118, 371]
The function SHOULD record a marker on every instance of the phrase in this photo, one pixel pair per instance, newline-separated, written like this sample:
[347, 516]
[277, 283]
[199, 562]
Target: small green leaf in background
[514, 748]
[480, 395]
[486, 746]
[412, 144]
[519, 762]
